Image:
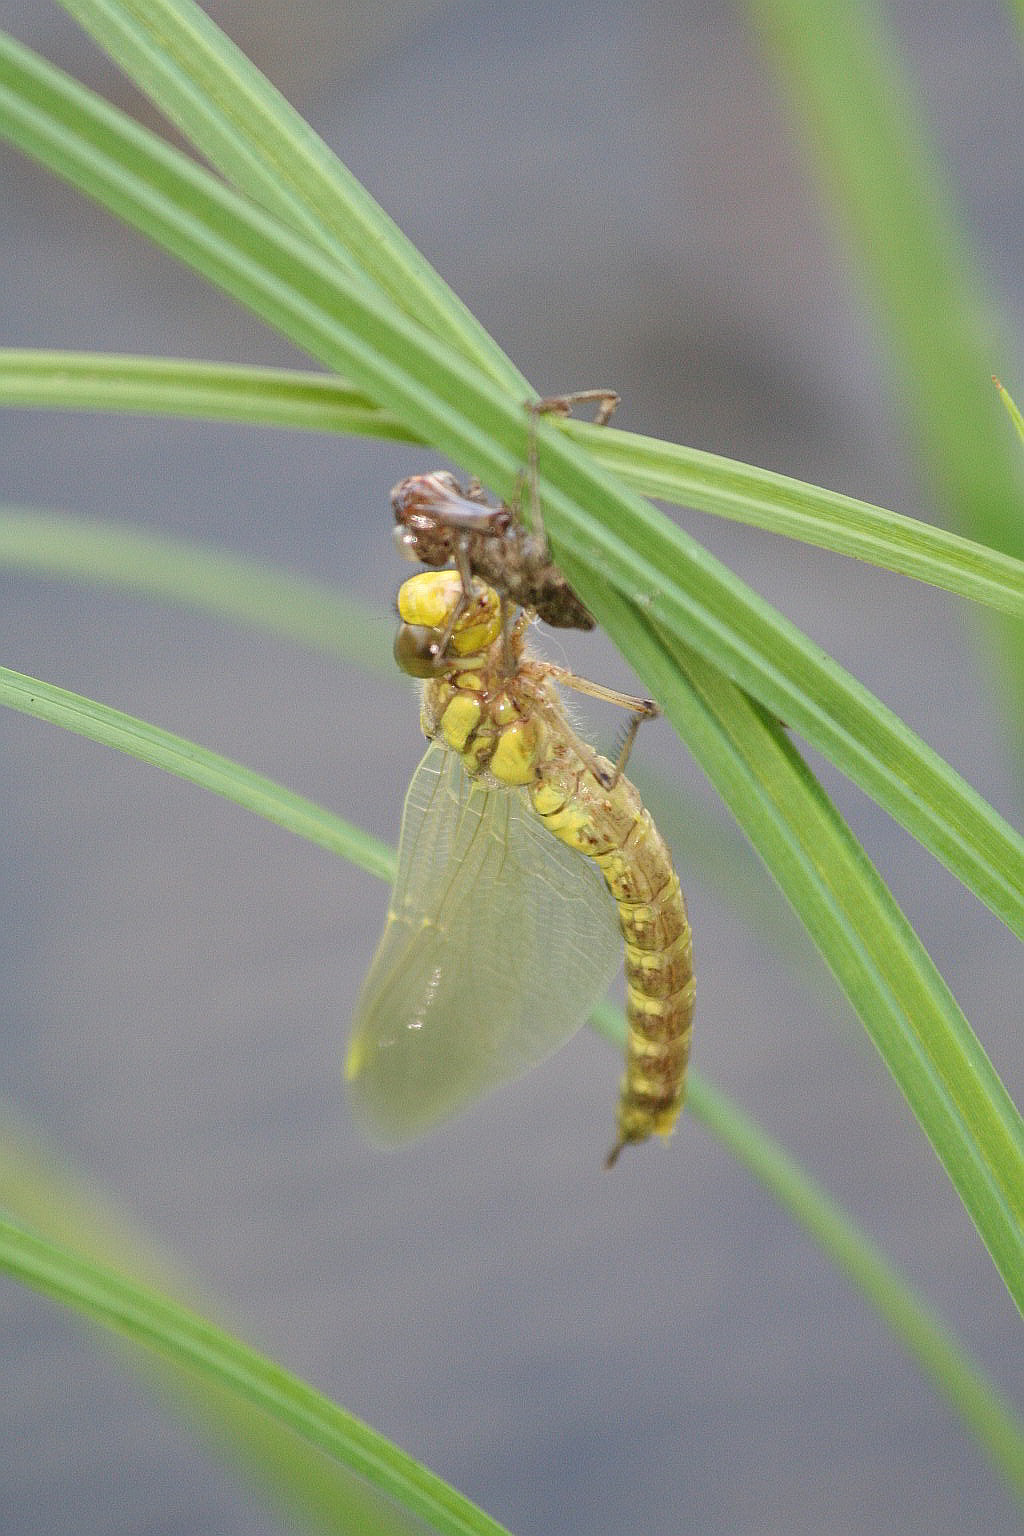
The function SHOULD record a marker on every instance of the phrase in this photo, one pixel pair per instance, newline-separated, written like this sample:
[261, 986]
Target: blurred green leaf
[857, 114]
[180, 1336]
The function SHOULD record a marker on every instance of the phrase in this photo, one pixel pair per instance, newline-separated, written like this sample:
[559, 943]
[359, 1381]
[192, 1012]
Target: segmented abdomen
[613, 828]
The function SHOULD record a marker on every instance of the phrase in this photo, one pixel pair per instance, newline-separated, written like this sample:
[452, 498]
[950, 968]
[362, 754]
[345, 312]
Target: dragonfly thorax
[494, 732]
[480, 698]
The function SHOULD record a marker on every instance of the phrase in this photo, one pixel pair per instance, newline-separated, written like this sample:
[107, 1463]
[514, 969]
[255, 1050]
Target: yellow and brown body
[500, 712]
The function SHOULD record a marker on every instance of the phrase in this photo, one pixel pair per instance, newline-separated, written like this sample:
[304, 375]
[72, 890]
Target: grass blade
[244, 126]
[857, 111]
[311, 1489]
[689, 477]
[685, 476]
[150, 744]
[176, 1334]
[600, 531]
[1011, 408]
[188, 387]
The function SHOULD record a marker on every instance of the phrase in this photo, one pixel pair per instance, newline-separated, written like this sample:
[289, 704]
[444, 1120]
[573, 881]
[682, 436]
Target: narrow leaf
[859, 117]
[615, 536]
[244, 126]
[685, 476]
[187, 760]
[176, 1334]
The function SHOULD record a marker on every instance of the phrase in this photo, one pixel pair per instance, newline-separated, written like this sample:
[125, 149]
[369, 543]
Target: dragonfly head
[442, 629]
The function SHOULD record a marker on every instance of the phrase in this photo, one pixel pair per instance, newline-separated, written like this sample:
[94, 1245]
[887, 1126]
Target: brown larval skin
[501, 712]
[435, 514]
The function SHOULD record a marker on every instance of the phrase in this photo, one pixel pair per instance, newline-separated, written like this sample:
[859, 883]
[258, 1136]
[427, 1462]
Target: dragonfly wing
[499, 942]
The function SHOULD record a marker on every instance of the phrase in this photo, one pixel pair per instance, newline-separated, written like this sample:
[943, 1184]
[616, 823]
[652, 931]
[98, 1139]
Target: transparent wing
[499, 942]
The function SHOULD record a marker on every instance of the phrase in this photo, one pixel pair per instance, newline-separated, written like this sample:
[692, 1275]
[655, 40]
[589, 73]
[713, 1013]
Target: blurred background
[618, 194]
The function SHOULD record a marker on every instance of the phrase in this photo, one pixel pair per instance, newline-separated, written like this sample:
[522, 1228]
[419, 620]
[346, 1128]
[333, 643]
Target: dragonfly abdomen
[660, 991]
[613, 828]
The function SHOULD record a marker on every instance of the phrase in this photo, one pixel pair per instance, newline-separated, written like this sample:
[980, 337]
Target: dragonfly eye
[418, 652]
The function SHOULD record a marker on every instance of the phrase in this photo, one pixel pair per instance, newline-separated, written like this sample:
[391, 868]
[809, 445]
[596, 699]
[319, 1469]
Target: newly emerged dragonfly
[518, 844]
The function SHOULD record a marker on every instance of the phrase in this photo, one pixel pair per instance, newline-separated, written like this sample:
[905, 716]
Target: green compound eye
[418, 651]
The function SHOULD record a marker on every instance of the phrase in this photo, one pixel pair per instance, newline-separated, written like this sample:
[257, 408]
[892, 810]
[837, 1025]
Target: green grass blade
[244, 126]
[689, 477]
[842, 72]
[153, 1321]
[598, 528]
[876, 957]
[873, 952]
[1011, 408]
[188, 387]
[150, 744]
[686, 476]
[39, 1191]
[921, 1332]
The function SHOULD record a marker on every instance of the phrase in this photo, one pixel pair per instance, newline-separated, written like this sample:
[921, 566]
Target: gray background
[617, 196]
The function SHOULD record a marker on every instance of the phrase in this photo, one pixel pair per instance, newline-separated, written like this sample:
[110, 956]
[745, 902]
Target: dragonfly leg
[640, 710]
[461, 557]
[636, 720]
[645, 708]
[463, 567]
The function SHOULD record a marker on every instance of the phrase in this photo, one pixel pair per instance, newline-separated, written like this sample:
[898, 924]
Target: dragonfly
[526, 863]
